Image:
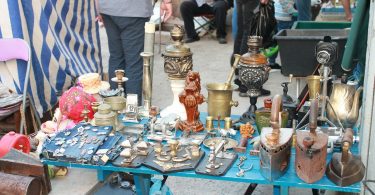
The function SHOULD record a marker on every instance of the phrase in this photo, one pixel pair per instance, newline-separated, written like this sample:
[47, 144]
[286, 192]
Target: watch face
[323, 57]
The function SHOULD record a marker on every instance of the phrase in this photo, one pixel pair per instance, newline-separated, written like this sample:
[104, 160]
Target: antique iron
[117, 104]
[345, 101]
[253, 73]
[178, 62]
[220, 99]
[344, 168]
[191, 98]
[311, 150]
[275, 145]
[147, 79]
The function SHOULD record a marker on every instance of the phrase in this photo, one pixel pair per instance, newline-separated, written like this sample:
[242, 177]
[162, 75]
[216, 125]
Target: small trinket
[83, 152]
[80, 129]
[195, 151]
[242, 171]
[227, 123]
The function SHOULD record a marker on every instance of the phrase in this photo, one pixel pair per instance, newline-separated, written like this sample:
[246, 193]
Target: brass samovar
[253, 73]
[178, 62]
[275, 145]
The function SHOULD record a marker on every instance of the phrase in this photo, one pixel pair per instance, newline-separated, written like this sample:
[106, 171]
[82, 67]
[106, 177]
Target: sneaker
[222, 40]
[190, 40]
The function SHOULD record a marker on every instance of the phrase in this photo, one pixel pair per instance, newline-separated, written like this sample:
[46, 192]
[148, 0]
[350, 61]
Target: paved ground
[212, 61]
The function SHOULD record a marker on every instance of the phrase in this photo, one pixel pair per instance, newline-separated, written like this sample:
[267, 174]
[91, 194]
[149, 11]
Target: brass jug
[220, 100]
[345, 100]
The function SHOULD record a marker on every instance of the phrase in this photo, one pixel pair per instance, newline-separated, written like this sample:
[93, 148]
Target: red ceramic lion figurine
[191, 98]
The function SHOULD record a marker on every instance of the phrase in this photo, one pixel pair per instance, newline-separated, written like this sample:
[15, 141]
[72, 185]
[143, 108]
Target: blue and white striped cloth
[64, 40]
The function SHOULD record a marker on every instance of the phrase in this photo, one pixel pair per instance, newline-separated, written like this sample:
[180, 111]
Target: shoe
[190, 40]
[243, 94]
[274, 66]
[222, 40]
[265, 92]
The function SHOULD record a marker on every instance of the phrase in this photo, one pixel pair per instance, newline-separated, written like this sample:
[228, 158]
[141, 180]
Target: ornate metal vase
[177, 63]
[253, 73]
[311, 150]
[178, 59]
[275, 145]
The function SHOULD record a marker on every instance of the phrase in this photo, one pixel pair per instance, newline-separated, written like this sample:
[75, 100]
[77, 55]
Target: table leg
[142, 183]
[280, 190]
[102, 174]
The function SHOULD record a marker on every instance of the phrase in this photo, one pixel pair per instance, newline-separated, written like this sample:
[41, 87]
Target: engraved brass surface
[178, 59]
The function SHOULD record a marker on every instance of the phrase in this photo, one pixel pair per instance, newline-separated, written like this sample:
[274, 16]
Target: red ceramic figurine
[191, 98]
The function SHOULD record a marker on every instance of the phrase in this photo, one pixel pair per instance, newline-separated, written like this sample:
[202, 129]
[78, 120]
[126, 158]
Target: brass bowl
[117, 103]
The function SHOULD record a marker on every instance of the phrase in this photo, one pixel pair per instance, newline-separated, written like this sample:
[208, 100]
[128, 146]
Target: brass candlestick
[147, 81]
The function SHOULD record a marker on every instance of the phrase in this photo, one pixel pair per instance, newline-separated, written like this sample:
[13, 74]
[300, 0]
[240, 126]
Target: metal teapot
[345, 101]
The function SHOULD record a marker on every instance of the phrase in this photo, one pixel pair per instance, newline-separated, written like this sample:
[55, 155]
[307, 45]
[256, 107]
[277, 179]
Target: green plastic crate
[321, 25]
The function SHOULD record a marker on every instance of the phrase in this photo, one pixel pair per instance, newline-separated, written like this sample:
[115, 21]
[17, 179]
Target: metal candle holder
[147, 81]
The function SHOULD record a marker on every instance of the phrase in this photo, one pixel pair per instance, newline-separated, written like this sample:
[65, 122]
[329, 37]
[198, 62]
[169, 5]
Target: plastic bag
[264, 24]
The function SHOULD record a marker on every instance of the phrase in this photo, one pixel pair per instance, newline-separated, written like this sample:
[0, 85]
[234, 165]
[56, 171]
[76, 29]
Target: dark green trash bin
[297, 49]
[321, 25]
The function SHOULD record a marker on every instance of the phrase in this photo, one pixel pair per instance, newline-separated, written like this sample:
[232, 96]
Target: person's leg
[116, 55]
[220, 10]
[132, 39]
[188, 9]
[304, 10]
[248, 13]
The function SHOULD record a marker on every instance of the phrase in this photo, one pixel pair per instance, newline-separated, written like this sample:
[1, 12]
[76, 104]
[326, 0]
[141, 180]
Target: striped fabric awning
[64, 41]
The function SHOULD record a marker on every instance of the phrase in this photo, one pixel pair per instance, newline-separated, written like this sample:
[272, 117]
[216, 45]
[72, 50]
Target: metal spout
[354, 112]
[147, 79]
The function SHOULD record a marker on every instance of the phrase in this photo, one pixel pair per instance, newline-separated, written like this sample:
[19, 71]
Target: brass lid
[178, 48]
[253, 56]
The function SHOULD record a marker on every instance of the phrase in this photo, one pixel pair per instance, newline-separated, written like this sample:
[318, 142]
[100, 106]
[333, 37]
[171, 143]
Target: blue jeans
[125, 41]
[304, 10]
